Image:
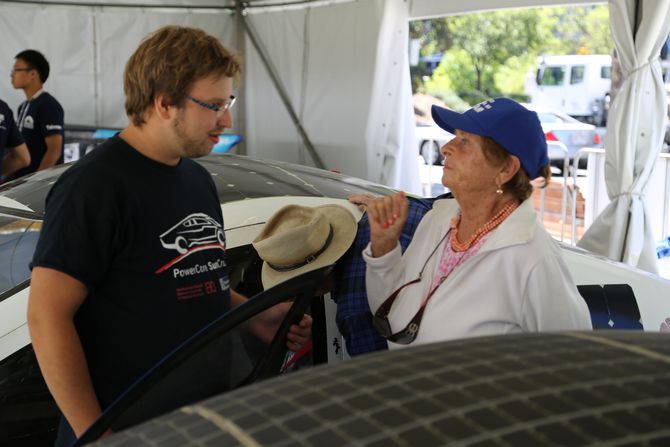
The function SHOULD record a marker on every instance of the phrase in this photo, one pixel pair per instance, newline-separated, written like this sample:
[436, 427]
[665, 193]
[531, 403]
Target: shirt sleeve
[78, 236]
[52, 119]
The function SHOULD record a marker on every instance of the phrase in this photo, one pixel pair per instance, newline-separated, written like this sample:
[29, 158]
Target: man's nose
[225, 120]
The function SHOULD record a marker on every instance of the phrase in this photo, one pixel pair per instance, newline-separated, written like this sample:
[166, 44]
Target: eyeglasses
[21, 69]
[380, 319]
[219, 109]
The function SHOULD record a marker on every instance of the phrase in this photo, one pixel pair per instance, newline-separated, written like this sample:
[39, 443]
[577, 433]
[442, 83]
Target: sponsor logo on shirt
[28, 122]
[198, 290]
[2, 118]
[195, 232]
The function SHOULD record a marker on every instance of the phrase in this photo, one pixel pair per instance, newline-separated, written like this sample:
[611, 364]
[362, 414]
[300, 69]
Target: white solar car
[250, 191]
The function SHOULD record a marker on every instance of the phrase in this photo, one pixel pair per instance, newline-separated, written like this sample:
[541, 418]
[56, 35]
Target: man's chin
[199, 152]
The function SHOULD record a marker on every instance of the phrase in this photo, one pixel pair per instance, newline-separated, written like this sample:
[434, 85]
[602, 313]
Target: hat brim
[344, 231]
[450, 120]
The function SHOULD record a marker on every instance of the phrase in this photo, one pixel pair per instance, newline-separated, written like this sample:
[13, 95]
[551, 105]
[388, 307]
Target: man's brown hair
[168, 62]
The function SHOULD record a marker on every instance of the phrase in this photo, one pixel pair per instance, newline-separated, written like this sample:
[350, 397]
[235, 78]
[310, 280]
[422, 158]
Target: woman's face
[465, 166]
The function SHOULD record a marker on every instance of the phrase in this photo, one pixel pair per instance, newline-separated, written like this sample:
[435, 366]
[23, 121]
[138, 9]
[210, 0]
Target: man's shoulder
[193, 166]
[4, 107]
[45, 99]
[103, 162]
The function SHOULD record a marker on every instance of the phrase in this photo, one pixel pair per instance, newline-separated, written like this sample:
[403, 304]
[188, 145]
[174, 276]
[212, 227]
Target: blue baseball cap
[506, 122]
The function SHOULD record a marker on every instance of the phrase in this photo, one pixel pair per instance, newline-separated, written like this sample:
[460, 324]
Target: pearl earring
[499, 190]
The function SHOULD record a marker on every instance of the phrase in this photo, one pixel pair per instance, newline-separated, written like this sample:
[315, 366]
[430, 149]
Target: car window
[546, 117]
[551, 76]
[577, 74]
[222, 356]
[606, 72]
[18, 238]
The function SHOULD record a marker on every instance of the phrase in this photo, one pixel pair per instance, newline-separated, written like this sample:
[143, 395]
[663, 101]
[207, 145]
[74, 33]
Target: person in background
[353, 316]
[40, 117]
[131, 256]
[14, 154]
[481, 264]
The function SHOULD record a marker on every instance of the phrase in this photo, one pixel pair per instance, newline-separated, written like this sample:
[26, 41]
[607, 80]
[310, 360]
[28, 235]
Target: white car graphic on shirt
[194, 230]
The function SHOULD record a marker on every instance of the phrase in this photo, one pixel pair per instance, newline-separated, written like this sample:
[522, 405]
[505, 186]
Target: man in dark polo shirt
[40, 116]
[14, 154]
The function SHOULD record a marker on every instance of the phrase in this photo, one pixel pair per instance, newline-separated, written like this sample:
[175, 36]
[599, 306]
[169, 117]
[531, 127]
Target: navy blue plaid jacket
[354, 318]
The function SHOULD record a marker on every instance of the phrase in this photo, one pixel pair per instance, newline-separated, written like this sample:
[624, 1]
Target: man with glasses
[40, 117]
[118, 281]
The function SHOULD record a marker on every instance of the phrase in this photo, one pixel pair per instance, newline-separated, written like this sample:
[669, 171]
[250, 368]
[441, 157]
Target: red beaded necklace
[481, 231]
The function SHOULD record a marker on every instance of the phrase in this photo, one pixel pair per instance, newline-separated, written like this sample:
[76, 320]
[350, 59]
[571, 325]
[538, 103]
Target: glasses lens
[382, 326]
[231, 103]
[407, 335]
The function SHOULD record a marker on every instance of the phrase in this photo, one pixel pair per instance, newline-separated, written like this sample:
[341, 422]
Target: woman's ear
[509, 169]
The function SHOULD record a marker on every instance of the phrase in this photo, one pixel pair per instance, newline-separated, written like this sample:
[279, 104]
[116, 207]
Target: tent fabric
[346, 79]
[87, 49]
[342, 63]
[635, 131]
[347, 82]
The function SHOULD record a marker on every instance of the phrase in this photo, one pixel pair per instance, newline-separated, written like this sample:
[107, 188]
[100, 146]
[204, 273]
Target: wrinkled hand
[387, 215]
[266, 324]
[361, 200]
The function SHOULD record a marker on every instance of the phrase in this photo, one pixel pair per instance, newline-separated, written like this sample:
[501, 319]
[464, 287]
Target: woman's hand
[387, 216]
[361, 200]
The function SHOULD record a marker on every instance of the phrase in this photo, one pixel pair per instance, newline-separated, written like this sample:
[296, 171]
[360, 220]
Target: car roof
[236, 177]
[559, 113]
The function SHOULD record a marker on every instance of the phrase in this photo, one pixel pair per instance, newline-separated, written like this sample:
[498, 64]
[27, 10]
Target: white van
[575, 84]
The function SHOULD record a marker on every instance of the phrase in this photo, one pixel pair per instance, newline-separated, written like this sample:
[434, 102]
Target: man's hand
[387, 216]
[266, 324]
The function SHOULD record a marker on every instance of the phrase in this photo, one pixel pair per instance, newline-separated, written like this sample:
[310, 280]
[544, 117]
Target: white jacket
[517, 282]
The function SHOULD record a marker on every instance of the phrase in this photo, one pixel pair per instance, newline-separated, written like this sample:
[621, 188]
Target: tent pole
[241, 115]
[282, 93]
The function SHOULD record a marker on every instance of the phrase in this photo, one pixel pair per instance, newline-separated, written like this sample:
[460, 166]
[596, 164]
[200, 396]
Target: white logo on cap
[484, 105]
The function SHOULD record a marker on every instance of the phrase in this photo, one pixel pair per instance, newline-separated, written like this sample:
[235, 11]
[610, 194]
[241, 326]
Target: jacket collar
[518, 228]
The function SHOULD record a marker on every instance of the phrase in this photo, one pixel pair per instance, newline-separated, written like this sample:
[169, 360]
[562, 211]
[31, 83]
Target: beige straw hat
[298, 239]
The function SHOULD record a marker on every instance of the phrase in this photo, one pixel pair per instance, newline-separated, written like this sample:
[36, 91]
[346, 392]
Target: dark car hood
[237, 177]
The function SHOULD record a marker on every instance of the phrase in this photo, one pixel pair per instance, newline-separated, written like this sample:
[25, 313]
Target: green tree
[489, 54]
[584, 29]
[489, 40]
[433, 36]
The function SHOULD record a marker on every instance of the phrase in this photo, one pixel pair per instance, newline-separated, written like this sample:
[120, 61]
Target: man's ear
[162, 107]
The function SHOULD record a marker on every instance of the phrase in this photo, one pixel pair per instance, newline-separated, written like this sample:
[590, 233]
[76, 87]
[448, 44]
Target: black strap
[309, 259]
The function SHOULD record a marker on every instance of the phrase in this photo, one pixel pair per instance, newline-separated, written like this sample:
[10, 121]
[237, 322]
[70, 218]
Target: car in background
[574, 134]
[430, 139]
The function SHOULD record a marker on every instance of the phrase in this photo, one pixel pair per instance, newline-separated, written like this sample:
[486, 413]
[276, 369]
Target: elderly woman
[481, 264]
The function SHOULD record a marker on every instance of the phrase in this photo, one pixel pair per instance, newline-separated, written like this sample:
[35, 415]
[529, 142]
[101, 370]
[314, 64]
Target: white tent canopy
[326, 82]
[635, 134]
[342, 65]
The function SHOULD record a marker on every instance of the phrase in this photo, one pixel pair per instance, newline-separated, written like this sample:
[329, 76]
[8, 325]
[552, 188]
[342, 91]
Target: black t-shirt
[9, 133]
[37, 119]
[147, 241]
